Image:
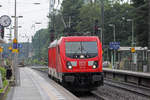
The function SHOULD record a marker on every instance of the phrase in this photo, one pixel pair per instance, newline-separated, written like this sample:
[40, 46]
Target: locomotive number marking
[82, 64]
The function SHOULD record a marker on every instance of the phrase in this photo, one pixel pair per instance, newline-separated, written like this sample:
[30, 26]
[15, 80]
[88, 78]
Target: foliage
[3, 73]
[141, 20]
[117, 14]
[71, 9]
[40, 44]
[5, 83]
[58, 25]
[37, 62]
[88, 14]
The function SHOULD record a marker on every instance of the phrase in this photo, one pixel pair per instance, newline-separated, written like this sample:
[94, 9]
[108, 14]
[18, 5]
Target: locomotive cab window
[81, 49]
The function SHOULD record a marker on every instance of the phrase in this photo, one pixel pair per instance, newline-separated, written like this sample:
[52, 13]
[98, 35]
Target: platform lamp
[114, 57]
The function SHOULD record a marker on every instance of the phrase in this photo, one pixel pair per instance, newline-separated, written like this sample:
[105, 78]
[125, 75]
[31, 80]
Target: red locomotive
[76, 62]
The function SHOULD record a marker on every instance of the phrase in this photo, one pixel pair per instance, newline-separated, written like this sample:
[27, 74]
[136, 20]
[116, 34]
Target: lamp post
[39, 42]
[102, 21]
[114, 29]
[100, 30]
[132, 21]
[28, 46]
[133, 42]
[113, 58]
[38, 23]
[15, 60]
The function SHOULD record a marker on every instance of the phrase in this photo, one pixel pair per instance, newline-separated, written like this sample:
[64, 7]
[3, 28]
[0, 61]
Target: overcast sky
[31, 14]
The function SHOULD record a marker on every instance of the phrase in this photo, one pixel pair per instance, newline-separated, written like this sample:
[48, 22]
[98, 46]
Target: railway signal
[1, 49]
[15, 46]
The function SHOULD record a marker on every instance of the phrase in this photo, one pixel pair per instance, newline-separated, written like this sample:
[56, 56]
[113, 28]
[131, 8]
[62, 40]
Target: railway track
[143, 91]
[99, 96]
[88, 96]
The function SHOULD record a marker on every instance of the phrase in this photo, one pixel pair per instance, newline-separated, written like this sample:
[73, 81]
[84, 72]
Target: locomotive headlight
[81, 56]
[95, 64]
[69, 65]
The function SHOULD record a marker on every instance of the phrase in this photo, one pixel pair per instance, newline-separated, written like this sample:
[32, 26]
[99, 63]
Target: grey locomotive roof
[53, 44]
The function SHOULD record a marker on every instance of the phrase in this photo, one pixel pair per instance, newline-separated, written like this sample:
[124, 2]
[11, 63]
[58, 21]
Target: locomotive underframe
[83, 81]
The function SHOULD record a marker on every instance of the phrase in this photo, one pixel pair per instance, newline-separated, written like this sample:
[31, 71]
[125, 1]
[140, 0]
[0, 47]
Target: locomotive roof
[84, 38]
[80, 37]
[53, 44]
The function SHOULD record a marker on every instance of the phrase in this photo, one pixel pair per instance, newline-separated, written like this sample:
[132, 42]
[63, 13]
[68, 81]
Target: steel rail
[129, 87]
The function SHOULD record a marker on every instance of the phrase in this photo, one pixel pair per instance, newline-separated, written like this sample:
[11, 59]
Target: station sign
[19, 45]
[10, 48]
[15, 51]
[1, 49]
[15, 45]
[114, 45]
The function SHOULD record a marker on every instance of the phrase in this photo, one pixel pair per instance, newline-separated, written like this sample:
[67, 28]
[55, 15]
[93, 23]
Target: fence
[132, 61]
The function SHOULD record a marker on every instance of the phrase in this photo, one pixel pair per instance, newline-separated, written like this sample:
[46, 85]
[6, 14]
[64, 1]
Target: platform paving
[34, 87]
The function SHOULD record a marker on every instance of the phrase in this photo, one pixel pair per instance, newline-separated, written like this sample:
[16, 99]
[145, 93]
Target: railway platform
[138, 78]
[34, 87]
[134, 73]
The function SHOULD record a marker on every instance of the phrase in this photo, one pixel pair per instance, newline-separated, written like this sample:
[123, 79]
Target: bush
[5, 83]
[3, 73]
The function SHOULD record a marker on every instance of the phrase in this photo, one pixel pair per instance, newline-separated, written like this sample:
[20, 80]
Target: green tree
[70, 10]
[40, 43]
[117, 14]
[88, 14]
[141, 20]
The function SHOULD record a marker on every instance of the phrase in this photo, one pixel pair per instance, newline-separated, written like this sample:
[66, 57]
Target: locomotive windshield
[81, 49]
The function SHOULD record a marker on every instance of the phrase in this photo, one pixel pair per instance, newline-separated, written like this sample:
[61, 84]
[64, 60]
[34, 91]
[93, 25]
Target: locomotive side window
[86, 49]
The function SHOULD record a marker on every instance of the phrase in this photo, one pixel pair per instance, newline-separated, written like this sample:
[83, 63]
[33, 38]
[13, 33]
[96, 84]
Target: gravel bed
[113, 93]
[86, 96]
